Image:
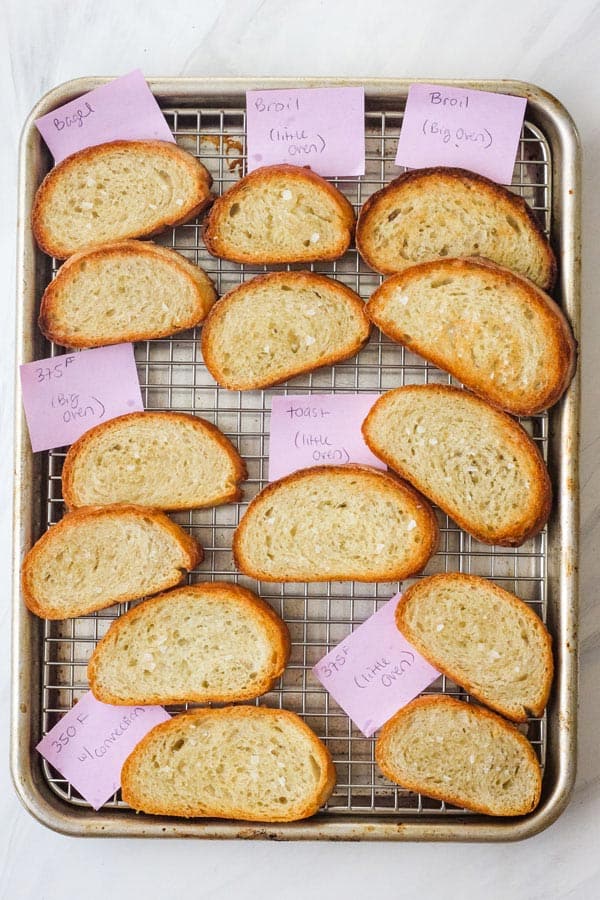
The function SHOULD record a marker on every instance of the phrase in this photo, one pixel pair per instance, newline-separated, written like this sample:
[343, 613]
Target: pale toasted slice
[474, 461]
[462, 754]
[118, 190]
[336, 523]
[494, 330]
[431, 213]
[165, 460]
[484, 638]
[96, 557]
[280, 214]
[128, 291]
[200, 643]
[240, 762]
[279, 325]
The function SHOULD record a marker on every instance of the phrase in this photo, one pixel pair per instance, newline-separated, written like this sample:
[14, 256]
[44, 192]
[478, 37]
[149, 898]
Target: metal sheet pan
[207, 117]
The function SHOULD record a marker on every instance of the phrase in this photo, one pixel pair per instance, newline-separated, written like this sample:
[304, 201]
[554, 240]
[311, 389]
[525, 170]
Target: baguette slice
[240, 762]
[118, 190]
[336, 523]
[431, 213]
[279, 325]
[200, 643]
[96, 557]
[462, 754]
[474, 461]
[128, 291]
[165, 460]
[495, 331]
[280, 214]
[485, 639]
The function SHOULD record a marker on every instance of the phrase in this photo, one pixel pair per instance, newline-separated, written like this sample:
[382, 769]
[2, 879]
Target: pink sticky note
[64, 396]
[92, 741]
[449, 126]
[122, 110]
[318, 430]
[323, 128]
[375, 671]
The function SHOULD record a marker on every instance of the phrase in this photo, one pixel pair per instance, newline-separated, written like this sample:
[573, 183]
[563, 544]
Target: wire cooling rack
[173, 376]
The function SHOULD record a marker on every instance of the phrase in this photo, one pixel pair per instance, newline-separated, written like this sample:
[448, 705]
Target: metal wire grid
[172, 376]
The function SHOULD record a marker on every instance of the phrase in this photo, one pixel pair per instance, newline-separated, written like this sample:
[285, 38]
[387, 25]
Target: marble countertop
[552, 44]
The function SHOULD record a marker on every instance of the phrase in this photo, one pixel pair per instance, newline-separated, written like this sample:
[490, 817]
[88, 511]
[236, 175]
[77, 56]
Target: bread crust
[478, 712]
[51, 182]
[276, 629]
[413, 595]
[326, 784]
[189, 546]
[222, 204]
[495, 192]
[308, 279]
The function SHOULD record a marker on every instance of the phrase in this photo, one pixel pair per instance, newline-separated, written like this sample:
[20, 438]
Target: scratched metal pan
[207, 116]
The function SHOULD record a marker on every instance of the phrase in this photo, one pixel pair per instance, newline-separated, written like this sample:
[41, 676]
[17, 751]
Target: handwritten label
[64, 396]
[448, 126]
[323, 128]
[318, 430]
[92, 741]
[122, 110]
[375, 671]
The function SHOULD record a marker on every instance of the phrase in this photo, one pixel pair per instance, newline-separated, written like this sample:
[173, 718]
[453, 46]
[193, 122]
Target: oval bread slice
[118, 190]
[472, 460]
[200, 643]
[335, 523]
[240, 762]
[463, 754]
[96, 557]
[165, 460]
[280, 214]
[128, 291]
[279, 325]
[484, 638]
[431, 213]
[495, 331]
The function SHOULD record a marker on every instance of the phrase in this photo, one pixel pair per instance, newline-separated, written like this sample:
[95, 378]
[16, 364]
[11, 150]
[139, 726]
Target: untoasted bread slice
[483, 638]
[280, 214]
[462, 754]
[474, 461]
[200, 643]
[336, 523]
[165, 460]
[279, 325]
[431, 213]
[118, 190]
[240, 762]
[495, 331]
[96, 557]
[128, 291]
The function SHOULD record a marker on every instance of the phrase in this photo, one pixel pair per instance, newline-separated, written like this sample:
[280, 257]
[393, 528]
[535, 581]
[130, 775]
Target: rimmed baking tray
[207, 117]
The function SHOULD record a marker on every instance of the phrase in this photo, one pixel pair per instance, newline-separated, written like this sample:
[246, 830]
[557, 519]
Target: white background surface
[553, 44]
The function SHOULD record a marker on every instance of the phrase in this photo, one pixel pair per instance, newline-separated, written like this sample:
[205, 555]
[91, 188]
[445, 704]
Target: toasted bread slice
[165, 460]
[119, 190]
[495, 331]
[474, 461]
[431, 213]
[279, 325]
[128, 291]
[96, 557]
[200, 643]
[280, 214]
[240, 762]
[484, 638]
[336, 523]
[462, 754]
